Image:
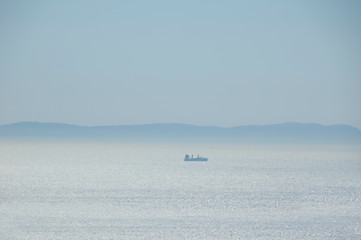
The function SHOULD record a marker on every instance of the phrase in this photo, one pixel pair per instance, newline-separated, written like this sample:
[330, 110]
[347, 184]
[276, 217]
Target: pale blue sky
[222, 63]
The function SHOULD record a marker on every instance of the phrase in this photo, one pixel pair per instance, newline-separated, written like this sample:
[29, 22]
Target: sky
[204, 62]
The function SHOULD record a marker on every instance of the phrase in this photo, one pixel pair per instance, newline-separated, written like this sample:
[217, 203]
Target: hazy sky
[222, 63]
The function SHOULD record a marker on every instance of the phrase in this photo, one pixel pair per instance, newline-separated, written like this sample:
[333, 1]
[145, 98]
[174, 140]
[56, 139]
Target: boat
[195, 159]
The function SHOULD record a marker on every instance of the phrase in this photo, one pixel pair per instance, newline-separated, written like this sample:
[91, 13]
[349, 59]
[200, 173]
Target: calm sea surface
[129, 191]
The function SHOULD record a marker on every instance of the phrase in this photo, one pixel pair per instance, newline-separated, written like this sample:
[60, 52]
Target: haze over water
[146, 191]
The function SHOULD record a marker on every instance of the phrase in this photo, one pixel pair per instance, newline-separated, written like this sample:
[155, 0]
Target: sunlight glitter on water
[124, 191]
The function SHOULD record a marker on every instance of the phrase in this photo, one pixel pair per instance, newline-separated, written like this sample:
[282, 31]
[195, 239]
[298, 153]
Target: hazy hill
[276, 133]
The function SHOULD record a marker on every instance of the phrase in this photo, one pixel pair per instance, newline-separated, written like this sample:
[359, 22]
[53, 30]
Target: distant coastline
[171, 132]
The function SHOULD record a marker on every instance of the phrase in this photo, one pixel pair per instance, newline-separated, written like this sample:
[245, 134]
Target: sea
[114, 190]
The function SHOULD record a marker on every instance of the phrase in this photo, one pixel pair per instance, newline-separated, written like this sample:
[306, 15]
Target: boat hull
[196, 160]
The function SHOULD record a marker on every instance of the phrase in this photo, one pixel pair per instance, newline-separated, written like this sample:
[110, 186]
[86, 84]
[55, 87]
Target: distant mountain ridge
[275, 133]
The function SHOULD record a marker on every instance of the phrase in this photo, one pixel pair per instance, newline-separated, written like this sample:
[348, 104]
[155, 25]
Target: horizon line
[186, 124]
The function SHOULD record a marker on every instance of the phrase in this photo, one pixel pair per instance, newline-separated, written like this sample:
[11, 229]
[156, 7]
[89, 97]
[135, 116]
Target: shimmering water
[124, 191]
